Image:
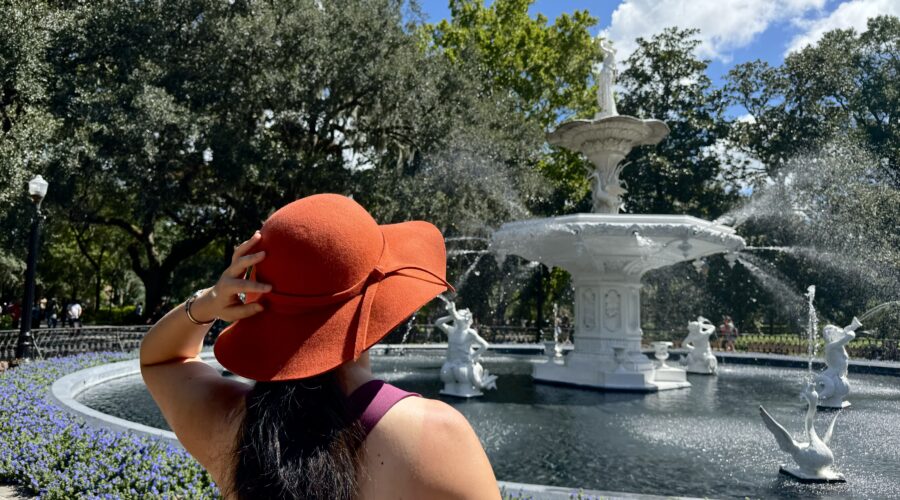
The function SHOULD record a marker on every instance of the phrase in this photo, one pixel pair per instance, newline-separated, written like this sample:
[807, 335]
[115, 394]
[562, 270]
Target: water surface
[704, 441]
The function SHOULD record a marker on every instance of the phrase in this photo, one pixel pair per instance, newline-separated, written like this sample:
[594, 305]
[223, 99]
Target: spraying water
[835, 207]
[791, 302]
[466, 238]
[465, 275]
[812, 330]
[877, 309]
[406, 331]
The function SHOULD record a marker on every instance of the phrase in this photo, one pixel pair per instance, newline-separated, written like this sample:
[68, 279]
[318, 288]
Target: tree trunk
[98, 285]
[156, 286]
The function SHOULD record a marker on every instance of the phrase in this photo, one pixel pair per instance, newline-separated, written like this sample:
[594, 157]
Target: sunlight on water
[704, 441]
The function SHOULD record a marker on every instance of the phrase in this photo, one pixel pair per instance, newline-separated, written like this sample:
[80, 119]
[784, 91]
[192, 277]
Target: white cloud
[724, 25]
[849, 14]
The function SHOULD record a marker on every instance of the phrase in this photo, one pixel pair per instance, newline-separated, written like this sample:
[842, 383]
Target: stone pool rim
[64, 390]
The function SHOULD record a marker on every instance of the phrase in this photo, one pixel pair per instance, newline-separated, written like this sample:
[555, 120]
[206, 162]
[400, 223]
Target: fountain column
[607, 338]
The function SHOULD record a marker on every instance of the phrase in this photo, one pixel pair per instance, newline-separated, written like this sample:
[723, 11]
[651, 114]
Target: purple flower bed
[56, 455]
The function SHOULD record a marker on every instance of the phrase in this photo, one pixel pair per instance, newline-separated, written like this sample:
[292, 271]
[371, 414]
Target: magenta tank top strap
[372, 400]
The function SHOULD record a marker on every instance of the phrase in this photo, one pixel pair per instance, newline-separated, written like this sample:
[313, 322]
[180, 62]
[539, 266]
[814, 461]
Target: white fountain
[462, 373]
[607, 253]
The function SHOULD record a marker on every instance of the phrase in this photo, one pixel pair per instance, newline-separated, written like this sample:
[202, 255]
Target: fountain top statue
[608, 138]
[606, 81]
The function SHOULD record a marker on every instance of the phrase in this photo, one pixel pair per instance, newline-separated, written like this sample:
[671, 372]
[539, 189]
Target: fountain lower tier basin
[614, 246]
[705, 441]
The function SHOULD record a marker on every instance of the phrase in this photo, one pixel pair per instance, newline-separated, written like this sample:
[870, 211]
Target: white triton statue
[700, 358]
[461, 373]
[832, 384]
[814, 458]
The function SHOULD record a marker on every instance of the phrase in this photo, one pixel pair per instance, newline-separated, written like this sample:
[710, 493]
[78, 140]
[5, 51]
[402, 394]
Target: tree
[824, 124]
[25, 125]
[546, 68]
[187, 122]
[845, 83]
[685, 173]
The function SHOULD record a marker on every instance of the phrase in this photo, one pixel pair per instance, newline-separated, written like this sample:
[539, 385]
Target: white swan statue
[814, 459]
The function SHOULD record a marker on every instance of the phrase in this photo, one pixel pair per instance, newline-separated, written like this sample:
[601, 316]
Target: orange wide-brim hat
[341, 282]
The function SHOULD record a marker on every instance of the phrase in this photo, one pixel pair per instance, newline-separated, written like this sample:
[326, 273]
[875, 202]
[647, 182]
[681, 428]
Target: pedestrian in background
[731, 334]
[15, 312]
[52, 314]
[74, 315]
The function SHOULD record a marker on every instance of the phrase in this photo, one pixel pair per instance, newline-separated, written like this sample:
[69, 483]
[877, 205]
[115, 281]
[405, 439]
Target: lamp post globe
[37, 190]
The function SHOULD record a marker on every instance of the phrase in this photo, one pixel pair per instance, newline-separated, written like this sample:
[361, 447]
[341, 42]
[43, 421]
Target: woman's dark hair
[300, 439]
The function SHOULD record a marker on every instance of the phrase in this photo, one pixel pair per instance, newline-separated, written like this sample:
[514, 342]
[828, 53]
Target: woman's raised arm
[196, 401]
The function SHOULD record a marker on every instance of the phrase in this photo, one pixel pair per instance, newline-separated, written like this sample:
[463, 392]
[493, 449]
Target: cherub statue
[700, 358]
[832, 384]
[461, 373]
[606, 81]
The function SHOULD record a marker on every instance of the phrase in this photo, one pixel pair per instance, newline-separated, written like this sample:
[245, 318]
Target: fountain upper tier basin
[614, 245]
[617, 133]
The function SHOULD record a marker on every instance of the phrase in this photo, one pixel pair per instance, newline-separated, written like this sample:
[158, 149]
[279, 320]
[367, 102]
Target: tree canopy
[846, 83]
[169, 130]
[182, 123]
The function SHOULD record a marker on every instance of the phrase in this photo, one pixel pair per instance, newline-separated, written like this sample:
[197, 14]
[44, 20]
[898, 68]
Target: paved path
[9, 493]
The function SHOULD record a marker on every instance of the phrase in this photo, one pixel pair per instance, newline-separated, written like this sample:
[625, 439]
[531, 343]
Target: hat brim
[273, 346]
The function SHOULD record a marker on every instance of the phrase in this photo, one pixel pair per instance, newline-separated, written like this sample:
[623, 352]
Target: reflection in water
[704, 441]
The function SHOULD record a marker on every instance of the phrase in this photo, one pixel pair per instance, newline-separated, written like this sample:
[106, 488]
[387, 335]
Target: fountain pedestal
[607, 350]
[607, 341]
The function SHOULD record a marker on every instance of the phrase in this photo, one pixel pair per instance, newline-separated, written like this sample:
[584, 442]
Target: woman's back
[412, 447]
[423, 448]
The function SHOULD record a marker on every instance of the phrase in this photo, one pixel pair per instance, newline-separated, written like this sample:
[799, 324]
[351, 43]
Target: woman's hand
[222, 300]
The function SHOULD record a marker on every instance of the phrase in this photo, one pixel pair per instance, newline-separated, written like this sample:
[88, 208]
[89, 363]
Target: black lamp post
[37, 189]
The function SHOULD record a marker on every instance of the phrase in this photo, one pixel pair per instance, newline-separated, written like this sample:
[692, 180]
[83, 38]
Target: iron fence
[422, 333]
[791, 344]
[50, 342]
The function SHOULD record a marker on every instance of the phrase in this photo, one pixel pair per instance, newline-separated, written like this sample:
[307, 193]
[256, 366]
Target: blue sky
[732, 31]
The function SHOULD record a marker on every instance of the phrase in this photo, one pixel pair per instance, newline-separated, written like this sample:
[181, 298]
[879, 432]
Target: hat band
[285, 303]
[296, 304]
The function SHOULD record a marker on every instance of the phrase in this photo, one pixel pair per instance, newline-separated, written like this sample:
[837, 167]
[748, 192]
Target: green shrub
[124, 315]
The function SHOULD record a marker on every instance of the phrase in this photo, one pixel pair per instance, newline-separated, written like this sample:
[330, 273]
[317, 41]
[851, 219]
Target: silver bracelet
[187, 308]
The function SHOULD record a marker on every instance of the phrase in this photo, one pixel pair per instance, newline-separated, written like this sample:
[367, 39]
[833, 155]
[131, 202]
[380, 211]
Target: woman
[321, 282]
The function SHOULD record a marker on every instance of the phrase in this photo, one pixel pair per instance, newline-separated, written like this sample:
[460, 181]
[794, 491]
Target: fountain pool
[706, 441]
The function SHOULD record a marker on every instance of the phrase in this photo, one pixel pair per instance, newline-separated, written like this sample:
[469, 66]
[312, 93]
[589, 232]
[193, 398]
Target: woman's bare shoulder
[437, 446]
